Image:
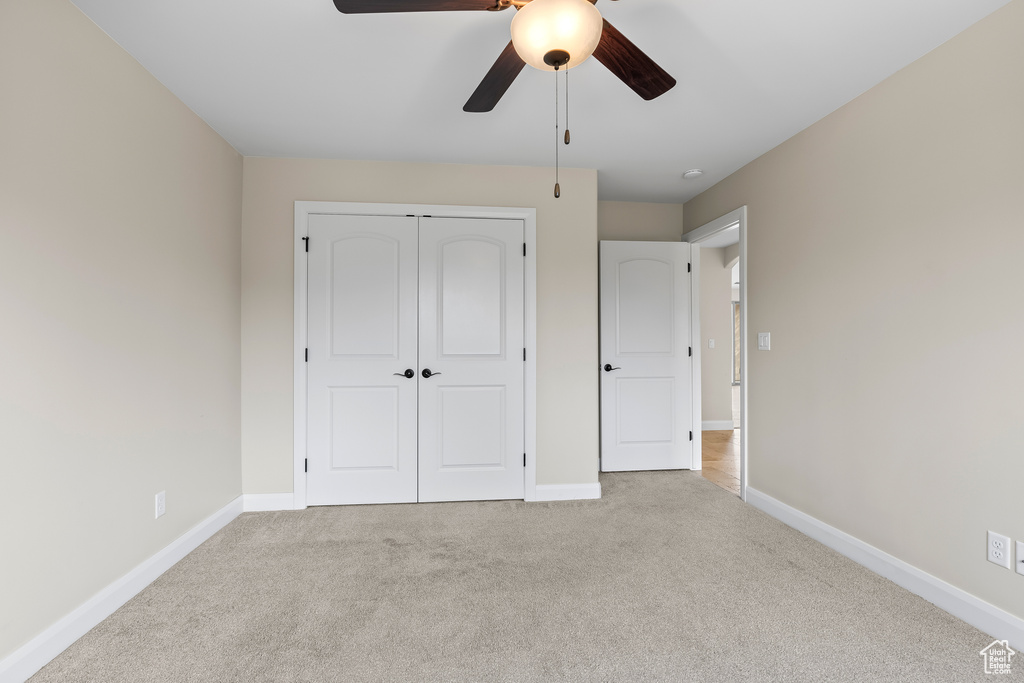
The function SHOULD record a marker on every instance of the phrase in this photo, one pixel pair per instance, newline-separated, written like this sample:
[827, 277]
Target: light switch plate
[711, 343]
[764, 341]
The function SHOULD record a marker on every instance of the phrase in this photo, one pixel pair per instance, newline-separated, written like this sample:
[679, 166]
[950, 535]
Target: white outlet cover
[999, 549]
[161, 503]
[1020, 557]
[711, 343]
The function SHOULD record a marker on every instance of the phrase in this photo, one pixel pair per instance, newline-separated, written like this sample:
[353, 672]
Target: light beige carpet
[666, 578]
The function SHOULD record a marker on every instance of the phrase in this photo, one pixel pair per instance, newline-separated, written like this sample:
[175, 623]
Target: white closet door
[645, 362]
[471, 359]
[362, 337]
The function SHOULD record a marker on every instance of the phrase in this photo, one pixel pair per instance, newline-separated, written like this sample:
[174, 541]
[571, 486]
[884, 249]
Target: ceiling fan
[614, 50]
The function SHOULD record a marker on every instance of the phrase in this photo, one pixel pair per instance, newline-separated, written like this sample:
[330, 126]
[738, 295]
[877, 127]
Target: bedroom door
[646, 417]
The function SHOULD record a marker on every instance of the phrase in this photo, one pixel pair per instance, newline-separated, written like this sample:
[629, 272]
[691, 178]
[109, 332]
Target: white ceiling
[295, 78]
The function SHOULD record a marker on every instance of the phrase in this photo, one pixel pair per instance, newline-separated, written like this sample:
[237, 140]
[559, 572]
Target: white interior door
[361, 420]
[646, 418]
[415, 373]
[471, 359]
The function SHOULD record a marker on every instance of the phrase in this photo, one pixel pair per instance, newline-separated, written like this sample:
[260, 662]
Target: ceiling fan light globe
[541, 26]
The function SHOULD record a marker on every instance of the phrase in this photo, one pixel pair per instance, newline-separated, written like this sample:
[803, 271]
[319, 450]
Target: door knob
[608, 367]
[408, 374]
[428, 374]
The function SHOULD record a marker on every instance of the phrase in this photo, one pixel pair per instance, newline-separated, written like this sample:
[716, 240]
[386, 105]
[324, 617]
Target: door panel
[645, 338]
[362, 330]
[472, 313]
[645, 407]
[364, 428]
[471, 336]
[472, 427]
[365, 275]
[645, 304]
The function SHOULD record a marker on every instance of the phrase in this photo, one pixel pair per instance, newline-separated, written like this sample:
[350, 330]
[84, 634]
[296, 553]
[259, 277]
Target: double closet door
[415, 371]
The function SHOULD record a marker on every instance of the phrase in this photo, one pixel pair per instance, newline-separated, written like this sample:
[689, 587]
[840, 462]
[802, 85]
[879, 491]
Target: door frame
[303, 209]
[732, 219]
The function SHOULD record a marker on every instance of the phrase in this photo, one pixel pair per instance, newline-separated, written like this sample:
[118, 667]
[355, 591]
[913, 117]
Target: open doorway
[719, 314]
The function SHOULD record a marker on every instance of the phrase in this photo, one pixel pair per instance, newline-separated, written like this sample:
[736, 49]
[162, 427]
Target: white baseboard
[35, 654]
[568, 491]
[716, 425]
[961, 604]
[267, 502]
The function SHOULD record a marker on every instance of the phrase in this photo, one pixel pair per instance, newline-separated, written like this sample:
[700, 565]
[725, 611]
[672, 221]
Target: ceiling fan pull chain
[558, 190]
[566, 104]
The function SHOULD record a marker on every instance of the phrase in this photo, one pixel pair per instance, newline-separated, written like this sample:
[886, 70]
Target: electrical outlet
[999, 549]
[161, 503]
[1020, 557]
[711, 343]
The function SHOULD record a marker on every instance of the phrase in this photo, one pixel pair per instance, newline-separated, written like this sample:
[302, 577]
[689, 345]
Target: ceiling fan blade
[496, 81]
[375, 6]
[631, 65]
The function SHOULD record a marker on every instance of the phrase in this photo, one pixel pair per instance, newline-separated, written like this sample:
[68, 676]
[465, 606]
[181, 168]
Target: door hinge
[524, 353]
[524, 459]
[305, 464]
[687, 267]
[306, 240]
[307, 355]
[690, 352]
[524, 248]
[691, 436]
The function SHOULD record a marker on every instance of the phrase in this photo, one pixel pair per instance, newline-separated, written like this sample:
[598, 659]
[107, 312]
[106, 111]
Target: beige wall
[730, 255]
[567, 428]
[120, 217]
[890, 404]
[715, 323]
[642, 221]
